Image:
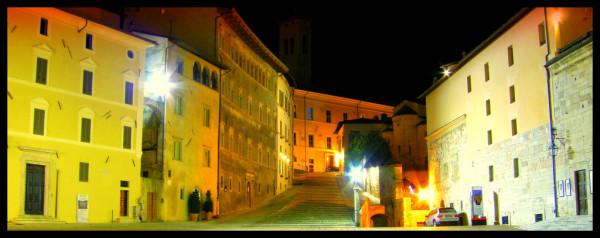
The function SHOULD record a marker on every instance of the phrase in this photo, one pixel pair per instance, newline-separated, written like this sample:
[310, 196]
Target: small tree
[194, 202]
[371, 147]
[208, 203]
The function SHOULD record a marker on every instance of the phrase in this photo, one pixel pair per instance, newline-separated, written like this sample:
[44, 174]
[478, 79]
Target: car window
[447, 210]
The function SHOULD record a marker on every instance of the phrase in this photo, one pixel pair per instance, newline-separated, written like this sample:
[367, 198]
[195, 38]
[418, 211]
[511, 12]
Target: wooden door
[34, 189]
[152, 208]
[124, 203]
[581, 192]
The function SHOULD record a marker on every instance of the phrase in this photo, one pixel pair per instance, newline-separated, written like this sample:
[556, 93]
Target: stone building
[284, 135]
[571, 80]
[177, 161]
[74, 113]
[489, 123]
[247, 154]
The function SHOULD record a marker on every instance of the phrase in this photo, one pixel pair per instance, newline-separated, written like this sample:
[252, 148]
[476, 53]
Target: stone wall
[572, 95]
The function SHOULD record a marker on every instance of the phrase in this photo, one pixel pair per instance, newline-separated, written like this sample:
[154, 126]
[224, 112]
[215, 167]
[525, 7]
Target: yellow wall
[108, 162]
[285, 138]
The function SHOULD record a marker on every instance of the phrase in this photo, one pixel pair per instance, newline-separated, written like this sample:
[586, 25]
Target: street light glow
[446, 72]
[158, 84]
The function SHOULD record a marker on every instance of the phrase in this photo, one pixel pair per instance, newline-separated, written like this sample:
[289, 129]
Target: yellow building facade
[284, 138]
[488, 123]
[74, 112]
[316, 116]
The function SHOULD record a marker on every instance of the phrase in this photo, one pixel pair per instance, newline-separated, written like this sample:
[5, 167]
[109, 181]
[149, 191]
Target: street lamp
[356, 175]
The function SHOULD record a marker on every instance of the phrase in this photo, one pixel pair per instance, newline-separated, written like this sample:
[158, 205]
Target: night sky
[382, 53]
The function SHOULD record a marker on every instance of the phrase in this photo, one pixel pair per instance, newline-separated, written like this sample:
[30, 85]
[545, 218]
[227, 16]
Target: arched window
[205, 76]
[213, 80]
[196, 72]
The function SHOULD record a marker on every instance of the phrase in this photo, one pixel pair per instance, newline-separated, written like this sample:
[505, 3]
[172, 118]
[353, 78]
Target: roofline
[235, 21]
[511, 22]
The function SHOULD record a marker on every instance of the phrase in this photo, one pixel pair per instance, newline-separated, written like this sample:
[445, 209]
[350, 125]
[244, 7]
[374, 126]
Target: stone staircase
[319, 203]
[570, 223]
[22, 219]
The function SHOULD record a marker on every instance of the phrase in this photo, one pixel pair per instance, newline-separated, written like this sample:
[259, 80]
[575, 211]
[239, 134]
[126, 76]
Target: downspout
[551, 115]
[219, 119]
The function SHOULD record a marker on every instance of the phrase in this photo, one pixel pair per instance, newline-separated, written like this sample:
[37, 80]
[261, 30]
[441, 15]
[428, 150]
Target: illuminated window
[310, 113]
[510, 56]
[542, 33]
[511, 91]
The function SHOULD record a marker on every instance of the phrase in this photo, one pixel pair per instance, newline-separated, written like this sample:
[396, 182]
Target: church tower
[295, 49]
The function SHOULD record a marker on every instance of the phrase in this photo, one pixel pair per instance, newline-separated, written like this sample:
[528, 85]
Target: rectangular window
[179, 66]
[206, 158]
[488, 107]
[486, 69]
[41, 71]
[126, 137]
[38, 121]
[510, 56]
[44, 26]
[86, 129]
[345, 116]
[469, 84]
[489, 134]
[177, 150]
[542, 33]
[207, 117]
[516, 167]
[514, 126]
[294, 138]
[310, 141]
[83, 171]
[328, 114]
[328, 142]
[88, 41]
[178, 101]
[511, 91]
[129, 93]
[87, 82]
[491, 173]
[310, 113]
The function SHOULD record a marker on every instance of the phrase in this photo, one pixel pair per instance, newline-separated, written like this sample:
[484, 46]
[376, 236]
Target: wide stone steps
[35, 219]
[319, 203]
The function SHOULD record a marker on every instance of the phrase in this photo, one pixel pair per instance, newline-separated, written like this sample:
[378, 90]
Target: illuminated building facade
[178, 161]
[316, 116]
[284, 137]
[74, 109]
[489, 123]
[247, 128]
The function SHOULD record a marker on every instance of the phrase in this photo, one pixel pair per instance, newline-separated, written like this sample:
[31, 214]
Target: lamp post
[355, 175]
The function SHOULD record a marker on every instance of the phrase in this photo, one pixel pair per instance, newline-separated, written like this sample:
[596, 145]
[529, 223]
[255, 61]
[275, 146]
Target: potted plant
[194, 203]
[207, 207]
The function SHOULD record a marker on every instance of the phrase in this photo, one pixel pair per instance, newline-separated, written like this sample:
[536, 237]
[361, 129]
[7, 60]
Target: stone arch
[379, 220]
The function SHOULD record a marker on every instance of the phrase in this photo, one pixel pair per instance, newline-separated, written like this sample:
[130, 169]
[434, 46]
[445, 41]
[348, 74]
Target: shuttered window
[126, 137]
[41, 71]
[129, 93]
[83, 171]
[177, 150]
[38, 121]
[87, 82]
[86, 128]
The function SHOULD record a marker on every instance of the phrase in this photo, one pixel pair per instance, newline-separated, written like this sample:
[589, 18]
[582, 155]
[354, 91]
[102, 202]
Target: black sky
[385, 53]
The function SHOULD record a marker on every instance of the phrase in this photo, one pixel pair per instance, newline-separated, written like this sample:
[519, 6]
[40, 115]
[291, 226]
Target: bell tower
[295, 48]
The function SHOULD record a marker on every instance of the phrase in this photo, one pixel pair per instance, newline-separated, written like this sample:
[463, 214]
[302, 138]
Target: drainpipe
[218, 210]
[551, 115]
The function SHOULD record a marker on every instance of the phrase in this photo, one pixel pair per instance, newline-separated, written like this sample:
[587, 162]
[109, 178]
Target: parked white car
[443, 216]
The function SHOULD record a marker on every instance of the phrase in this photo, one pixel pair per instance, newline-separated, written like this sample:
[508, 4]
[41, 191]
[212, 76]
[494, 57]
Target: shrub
[194, 202]
[208, 203]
